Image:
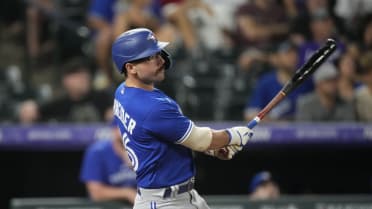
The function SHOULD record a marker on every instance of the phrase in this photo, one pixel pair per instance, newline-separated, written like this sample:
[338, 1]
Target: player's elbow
[199, 139]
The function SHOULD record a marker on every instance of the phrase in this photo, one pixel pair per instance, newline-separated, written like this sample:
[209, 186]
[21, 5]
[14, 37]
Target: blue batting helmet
[259, 179]
[137, 44]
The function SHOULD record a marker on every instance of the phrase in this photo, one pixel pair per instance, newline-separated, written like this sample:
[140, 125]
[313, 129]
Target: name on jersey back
[128, 122]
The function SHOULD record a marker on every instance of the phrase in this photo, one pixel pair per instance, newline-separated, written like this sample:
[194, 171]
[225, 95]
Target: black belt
[189, 185]
[182, 188]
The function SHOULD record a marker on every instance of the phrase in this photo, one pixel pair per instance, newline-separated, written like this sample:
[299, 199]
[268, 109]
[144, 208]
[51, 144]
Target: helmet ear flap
[166, 56]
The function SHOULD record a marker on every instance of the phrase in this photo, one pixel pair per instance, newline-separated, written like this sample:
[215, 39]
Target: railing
[215, 202]
[78, 136]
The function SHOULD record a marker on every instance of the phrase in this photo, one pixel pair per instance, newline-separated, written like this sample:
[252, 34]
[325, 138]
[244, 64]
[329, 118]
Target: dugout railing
[215, 202]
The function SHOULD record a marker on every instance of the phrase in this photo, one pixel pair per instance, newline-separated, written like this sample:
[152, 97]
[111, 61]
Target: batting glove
[239, 135]
[225, 153]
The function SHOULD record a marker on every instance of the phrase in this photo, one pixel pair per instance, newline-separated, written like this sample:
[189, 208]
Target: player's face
[151, 69]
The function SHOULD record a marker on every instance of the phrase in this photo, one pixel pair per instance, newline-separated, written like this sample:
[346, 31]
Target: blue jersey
[102, 164]
[152, 127]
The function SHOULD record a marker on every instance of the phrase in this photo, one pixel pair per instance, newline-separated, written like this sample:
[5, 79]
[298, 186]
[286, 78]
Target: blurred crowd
[230, 57]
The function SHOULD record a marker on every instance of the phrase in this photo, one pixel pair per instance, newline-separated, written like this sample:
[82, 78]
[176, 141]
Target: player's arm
[166, 122]
[222, 144]
[101, 192]
[204, 138]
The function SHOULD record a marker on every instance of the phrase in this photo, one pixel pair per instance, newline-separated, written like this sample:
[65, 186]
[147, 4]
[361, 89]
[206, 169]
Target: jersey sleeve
[92, 166]
[166, 122]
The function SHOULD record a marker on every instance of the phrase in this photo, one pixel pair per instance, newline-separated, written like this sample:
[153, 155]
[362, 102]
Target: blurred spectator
[70, 29]
[136, 14]
[55, 32]
[13, 90]
[28, 112]
[106, 170]
[363, 100]
[365, 38]
[176, 12]
[100, 19]
[299, 27]
[263, 187]
[260, 24]
[322, 27]
[214, 67]
[212, 31]
[79, 103]
[285, 61]
[347, 81]
[38, 39]
[12, 29]
[352, 12]
[214, 23]
[292, 8]
[324, 104]
[11, 13]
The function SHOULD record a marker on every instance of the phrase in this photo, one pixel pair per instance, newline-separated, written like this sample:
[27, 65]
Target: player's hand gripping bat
[301, 74]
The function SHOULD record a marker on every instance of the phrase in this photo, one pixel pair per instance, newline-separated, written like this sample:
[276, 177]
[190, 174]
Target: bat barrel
[331, 42]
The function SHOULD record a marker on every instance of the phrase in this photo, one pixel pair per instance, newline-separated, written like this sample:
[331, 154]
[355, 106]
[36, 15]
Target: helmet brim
[159, 47]
[162, 45]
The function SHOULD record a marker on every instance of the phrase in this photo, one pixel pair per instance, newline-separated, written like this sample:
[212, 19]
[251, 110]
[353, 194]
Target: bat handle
[253, 122]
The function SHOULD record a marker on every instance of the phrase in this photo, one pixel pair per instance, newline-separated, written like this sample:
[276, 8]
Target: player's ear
[131, 68]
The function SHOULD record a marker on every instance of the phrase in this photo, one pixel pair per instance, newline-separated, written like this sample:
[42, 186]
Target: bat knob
[331, 42]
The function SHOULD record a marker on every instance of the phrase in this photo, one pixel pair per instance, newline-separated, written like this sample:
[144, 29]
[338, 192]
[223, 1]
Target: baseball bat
[301, 74]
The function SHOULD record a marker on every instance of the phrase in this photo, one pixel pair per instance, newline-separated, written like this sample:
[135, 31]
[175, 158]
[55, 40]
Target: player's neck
[130, 82]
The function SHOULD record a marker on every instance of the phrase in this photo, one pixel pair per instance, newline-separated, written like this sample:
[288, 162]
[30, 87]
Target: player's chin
[160, 74]
[161, 78]
[158, 78]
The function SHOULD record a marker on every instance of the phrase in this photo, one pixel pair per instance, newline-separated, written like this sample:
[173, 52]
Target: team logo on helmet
[152, 37]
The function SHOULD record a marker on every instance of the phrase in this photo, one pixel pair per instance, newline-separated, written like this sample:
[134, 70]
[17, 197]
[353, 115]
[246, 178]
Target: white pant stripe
[153, 205]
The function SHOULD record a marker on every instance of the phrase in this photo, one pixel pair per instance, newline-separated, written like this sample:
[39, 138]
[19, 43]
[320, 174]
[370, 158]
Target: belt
[182, 188]
[172, 190]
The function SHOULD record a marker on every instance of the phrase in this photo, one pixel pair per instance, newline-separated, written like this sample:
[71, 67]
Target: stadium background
[210, 84]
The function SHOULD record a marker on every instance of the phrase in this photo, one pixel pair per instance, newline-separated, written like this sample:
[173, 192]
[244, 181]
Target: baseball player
[106, 170]
[159, 139]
